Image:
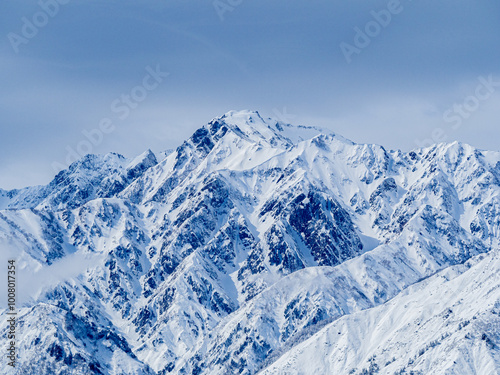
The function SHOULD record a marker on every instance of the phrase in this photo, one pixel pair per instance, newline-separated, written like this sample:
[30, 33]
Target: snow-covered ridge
[255, 245]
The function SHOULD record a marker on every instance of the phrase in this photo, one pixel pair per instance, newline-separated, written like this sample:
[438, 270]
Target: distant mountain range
[258, 247]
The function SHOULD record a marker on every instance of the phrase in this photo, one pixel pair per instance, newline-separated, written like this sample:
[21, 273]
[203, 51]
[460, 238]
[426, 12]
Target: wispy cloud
[32, 279]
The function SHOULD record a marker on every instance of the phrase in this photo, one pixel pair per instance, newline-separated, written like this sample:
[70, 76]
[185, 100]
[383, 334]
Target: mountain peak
[251, 125]
[244, 113]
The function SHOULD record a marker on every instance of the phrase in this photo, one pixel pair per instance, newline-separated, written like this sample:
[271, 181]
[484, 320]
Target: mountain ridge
[251, 235]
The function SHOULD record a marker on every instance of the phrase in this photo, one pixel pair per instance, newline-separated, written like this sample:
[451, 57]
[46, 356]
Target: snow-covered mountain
[260, 247]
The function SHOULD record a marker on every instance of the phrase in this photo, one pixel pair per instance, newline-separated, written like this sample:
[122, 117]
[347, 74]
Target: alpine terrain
[258, 247]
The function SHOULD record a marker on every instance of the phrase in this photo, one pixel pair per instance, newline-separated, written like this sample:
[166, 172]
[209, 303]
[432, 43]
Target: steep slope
[436, 327]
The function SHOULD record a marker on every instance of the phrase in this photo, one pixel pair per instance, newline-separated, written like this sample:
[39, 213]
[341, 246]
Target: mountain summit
[260, 247]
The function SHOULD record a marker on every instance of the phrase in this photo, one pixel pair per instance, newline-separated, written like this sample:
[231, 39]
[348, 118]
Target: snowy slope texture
[260, 247]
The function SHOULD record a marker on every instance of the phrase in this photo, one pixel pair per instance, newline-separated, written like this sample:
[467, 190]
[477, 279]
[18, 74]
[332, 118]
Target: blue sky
[422, 71]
